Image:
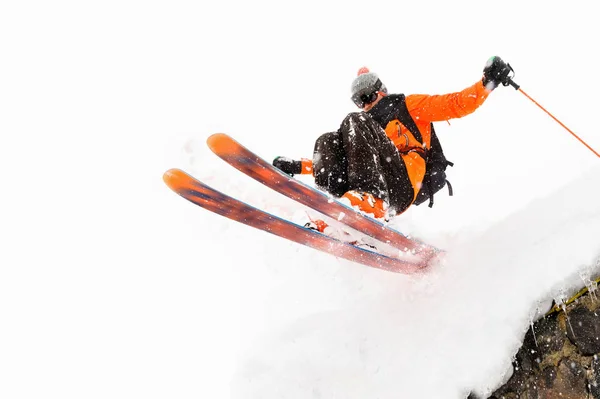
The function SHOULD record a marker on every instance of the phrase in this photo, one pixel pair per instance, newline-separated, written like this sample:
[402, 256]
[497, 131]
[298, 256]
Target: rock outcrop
[560, 356]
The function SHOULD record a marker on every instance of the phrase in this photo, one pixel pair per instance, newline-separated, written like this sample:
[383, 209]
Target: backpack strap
[406, 119]
[431, 191]
[393, 107]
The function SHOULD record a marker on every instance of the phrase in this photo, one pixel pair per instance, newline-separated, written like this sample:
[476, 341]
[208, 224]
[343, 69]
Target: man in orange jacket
[378, 158]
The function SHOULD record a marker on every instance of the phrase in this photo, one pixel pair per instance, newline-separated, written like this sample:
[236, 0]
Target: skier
[387, 157]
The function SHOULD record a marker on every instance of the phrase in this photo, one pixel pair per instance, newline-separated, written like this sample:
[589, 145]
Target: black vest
[393, 107]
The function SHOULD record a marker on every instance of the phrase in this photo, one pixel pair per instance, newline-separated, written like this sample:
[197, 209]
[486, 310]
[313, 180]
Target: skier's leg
[374, 163]
[330, 164]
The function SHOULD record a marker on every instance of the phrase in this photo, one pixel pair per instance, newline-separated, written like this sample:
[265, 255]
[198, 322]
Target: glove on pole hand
[496, 72]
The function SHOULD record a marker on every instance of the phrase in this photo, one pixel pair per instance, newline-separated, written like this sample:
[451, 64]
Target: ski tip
[217, 142]
[173, 178]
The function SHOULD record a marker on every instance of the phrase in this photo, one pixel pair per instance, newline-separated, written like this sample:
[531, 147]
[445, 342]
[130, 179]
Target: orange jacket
[425, 109]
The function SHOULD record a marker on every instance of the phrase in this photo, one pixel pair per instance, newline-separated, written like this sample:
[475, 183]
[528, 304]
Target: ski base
[217, 202]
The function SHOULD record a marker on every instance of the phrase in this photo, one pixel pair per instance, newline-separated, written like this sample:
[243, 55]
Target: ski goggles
[368, 95]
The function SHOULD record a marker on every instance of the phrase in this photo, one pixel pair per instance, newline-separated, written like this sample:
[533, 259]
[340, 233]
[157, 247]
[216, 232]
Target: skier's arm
[434, 108]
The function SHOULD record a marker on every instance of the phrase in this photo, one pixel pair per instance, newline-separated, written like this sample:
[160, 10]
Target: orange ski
[206, 197]
[254, 166]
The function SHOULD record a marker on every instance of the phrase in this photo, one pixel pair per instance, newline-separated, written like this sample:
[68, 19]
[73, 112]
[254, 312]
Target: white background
[112, 286]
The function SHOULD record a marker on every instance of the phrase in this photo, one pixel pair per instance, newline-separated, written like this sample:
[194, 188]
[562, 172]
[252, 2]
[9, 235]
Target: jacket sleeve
[434, 108]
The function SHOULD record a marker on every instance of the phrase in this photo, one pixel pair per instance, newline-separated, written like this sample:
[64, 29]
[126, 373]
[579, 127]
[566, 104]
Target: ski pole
[511, 82]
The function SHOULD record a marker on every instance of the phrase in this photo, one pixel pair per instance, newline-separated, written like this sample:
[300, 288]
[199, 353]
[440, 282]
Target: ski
[215, 201]
[254, 166]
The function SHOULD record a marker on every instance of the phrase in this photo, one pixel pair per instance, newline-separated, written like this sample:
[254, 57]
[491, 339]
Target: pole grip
[511, 82]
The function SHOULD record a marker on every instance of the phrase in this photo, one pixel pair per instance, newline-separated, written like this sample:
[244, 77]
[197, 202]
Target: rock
[560, 356]
[583, 329]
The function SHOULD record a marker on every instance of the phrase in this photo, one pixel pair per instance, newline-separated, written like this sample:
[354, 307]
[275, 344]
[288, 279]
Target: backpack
[436, 162]
[435, 172]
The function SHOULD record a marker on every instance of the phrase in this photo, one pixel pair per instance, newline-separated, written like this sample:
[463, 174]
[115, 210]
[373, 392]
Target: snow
[439, 335]
[113, 286]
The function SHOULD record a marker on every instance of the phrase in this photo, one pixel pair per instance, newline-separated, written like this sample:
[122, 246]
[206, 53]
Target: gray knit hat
[366, 83]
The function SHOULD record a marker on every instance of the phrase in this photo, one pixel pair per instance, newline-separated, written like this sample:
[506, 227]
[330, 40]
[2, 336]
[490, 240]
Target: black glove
[495, 72]
[287, 165]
